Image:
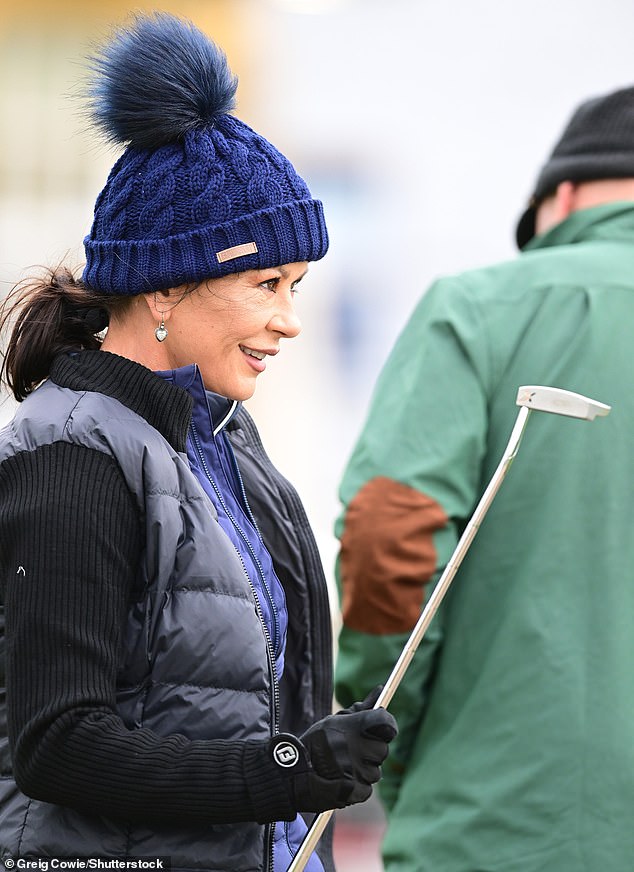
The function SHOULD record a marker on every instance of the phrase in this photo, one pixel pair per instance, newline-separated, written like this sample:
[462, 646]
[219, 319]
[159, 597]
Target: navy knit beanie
[197, 194]
[597, 143]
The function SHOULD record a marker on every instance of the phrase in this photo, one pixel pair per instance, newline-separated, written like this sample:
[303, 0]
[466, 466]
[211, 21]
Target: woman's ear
[160, 305]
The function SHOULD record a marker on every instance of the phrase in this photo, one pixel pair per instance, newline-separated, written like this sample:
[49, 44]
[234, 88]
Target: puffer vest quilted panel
[184, 668]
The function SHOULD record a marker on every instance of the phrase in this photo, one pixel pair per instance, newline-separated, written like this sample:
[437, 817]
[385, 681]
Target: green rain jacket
[516, 745]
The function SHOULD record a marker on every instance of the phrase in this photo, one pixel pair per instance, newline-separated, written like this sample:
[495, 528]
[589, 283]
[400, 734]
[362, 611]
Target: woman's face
[230, 326]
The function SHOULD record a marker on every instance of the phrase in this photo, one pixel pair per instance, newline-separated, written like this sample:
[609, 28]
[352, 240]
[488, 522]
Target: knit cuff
[267, 785]
[285, 233]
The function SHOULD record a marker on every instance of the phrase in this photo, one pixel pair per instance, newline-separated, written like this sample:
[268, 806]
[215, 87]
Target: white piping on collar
[227, 417]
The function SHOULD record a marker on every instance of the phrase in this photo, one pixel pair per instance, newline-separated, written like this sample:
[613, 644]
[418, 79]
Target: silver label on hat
[236, 251]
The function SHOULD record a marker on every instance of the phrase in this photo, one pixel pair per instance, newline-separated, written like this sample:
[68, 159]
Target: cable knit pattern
[159, 187]
[166, 213]
[197, 193]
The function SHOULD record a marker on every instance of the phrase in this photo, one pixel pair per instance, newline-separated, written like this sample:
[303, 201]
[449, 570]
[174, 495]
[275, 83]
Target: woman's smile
[230, 326]
[256, 359]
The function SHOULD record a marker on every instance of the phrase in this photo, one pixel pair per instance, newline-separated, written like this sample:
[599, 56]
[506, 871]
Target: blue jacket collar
[221, 409]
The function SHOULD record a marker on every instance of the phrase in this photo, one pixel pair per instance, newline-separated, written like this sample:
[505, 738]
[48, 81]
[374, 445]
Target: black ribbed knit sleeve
[70, 546]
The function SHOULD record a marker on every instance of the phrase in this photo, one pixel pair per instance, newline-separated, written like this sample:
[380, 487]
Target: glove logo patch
[285, 755]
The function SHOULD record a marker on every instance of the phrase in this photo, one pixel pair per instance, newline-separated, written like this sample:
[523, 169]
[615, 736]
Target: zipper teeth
[318, 596]
[269, 644]
[249, 513]
[243, 535]
[270, 651]
[244, 494]
[317, 593]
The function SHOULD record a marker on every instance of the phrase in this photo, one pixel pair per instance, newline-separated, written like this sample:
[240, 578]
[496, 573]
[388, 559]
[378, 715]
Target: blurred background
[421, 124]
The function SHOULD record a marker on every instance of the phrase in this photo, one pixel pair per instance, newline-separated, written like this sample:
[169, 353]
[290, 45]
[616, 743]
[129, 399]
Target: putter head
[560, 402]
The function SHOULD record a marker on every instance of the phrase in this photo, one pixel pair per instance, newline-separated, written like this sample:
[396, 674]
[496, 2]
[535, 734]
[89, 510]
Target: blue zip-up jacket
[213, 462]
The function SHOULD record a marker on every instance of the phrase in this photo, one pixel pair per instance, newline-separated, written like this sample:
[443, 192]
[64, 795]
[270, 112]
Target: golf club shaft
[391, 685]
[439, 591]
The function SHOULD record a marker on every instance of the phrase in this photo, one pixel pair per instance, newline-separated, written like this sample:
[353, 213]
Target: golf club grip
[319, 824]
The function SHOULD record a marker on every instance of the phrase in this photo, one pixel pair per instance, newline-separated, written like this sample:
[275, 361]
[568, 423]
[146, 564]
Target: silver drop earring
[161, 331]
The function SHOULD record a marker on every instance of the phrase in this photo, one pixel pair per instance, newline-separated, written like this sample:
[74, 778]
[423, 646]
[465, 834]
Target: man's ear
[556, 207]
[565, 201]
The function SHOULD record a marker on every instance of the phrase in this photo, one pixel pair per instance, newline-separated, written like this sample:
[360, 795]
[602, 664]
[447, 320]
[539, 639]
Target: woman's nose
[285, 320]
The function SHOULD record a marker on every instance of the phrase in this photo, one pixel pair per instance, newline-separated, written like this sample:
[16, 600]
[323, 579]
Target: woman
[161, 661]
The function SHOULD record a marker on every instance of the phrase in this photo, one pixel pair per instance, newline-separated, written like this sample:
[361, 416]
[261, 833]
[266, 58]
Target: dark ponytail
[49, 315]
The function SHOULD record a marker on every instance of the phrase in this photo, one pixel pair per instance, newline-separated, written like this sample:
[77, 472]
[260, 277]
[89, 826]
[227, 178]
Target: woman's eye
[270, 284]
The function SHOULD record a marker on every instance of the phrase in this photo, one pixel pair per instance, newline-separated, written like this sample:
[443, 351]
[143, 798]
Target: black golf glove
[338, 759]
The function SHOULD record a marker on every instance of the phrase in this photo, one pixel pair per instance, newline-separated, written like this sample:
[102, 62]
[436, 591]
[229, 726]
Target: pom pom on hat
[158, 81]
[197, 193]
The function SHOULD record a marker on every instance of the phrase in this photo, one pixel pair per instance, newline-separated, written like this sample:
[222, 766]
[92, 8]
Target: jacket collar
[610, 221]
[220, 409]
[165, 406]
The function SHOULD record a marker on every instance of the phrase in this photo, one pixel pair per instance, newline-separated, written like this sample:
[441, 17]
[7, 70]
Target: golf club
[530, 398]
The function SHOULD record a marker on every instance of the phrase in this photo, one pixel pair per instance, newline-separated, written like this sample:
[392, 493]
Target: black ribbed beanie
[598, 143]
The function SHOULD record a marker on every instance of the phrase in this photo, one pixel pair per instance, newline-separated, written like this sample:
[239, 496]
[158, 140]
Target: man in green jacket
[516, 745]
